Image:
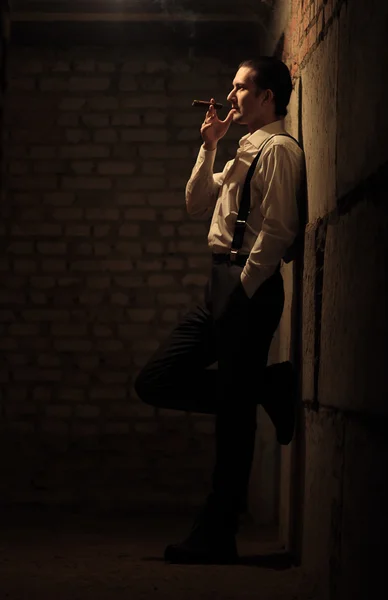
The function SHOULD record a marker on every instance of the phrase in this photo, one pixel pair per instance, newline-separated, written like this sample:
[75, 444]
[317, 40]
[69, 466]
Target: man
[243, 300]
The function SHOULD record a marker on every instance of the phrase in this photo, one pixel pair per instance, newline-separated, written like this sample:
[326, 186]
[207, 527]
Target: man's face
[246, 98]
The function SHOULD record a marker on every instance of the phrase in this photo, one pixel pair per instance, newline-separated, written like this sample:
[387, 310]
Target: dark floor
[62, 556]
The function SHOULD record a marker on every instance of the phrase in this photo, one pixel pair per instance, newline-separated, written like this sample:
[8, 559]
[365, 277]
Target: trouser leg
[244, 330]
[176, 376]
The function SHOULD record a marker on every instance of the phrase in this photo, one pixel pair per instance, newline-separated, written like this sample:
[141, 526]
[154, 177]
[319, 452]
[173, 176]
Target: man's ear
[269, 96]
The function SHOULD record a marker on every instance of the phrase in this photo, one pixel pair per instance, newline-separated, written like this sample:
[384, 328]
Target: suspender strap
[245, 203]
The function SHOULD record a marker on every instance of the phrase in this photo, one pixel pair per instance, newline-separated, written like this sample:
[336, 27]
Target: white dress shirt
[273, 222]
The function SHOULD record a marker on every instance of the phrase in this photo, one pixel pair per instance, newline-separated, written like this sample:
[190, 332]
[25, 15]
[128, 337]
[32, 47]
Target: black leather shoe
[212, 539]
[280, 400]
[187, 553]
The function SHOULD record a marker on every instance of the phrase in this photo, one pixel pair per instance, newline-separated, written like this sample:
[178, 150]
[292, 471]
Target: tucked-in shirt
[273, 222]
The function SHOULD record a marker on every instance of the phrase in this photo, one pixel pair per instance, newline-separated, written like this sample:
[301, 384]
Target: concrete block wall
[334, 50]
[99, 262]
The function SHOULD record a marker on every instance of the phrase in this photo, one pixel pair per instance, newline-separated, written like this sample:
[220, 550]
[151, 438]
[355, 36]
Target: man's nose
[230, 96]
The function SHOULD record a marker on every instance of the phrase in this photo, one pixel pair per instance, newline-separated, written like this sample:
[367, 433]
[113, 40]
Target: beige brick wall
[99, 261]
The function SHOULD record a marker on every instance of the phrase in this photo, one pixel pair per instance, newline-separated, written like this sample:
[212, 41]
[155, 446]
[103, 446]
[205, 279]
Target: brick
[48, 360]
[7, 316]
[87, 411]
[88, 65]
[84, 151]
[51, 247]
[106, 67]
[20, 248]
[69, 329]
[68, 214]
[44, 315]
[128, 249]
[199, 262]
[174, 299]
[38, 298]
[16, 394]
[68, 281]
[77, 230]
[25, 266]
[85, 429]
[42, 282]
[102, 214]
[144, 101]
[126, 120]
[174, 214]
[149, 265]
[32, 182]
[87, 183]
[117, 428]
[110, 345]
[83, 167]
[60, 411]
[114, 377]
[95, 120]
[90, 298]
[131, 199]
[8, 344]
[61, 66]
[23, 329]
[166, 199]
[75, 136]
[42, 394]
[132, 66]
[72, 345]
[140, 214]
[88, 362]
[98, 283]
[54, 427]
[127, 83]
[116, 168]
[167, 231]
[153, 168]
[102, 249]
[194, 279]
[53, 84]
[37, 229]
[59, 199]
[72, 103]
[68, 120]
[103, 103]
[106, 136]
[89, 84]
[8, 297]
[108, 393]
[141, 315]
[43, 152]
[193, 229]
[154, 248]
[155, 118]
[141, 183]
[102, 331]
[164, 151]
[18, 167]
[30, 374]
[52, 166]
[101, 231]
[144, 135]
[119, 299]
[72, 394]
[160, 280]
[116, 265]
[53, 266]
[133, 281]
[174, 264]
[85, 266]
[177, 182]
[189, 135]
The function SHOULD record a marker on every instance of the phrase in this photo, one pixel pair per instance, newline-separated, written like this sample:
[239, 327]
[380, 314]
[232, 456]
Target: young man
[243, 300]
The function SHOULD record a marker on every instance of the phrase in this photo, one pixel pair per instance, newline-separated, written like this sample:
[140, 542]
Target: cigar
[206, 104]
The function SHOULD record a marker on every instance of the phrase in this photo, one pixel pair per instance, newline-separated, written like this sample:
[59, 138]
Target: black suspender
[245, 203]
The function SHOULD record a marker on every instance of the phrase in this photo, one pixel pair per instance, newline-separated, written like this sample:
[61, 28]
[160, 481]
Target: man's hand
[213, 129]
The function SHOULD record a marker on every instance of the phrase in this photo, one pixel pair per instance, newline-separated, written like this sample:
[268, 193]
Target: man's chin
[238, 118]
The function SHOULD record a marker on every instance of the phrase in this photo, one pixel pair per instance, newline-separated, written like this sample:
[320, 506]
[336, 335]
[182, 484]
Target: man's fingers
[229, 116]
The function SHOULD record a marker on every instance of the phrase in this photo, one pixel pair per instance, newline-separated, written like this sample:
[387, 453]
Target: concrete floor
[62, 556]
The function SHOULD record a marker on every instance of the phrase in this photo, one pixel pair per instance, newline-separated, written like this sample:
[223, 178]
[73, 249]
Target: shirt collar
[258, 137]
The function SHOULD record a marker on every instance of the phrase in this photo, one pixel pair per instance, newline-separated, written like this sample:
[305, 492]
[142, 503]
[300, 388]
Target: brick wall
[99, 261]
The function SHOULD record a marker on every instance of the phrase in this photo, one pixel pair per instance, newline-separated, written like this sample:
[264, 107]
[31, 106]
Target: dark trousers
[236, 331]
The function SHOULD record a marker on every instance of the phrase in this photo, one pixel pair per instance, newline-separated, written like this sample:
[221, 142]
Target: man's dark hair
[270, 73]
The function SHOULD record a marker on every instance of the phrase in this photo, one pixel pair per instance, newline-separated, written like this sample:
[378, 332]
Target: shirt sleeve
[203, 186]
[281, 170]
